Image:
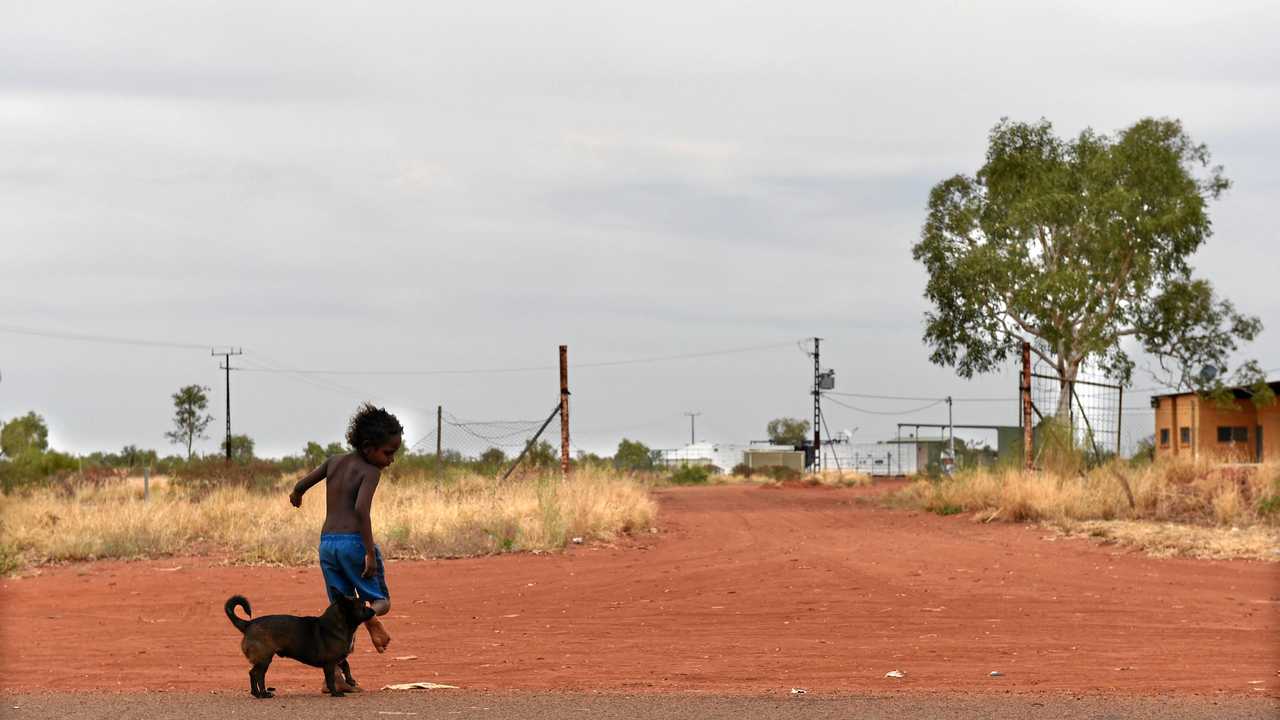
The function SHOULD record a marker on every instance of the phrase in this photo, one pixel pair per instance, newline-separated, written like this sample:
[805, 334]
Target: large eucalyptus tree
[1081, 247]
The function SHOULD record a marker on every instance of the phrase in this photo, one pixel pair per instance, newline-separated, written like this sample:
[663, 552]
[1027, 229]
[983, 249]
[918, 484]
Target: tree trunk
[1062, 414]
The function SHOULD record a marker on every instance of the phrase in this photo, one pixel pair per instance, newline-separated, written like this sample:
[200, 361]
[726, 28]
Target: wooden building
[1188, 425]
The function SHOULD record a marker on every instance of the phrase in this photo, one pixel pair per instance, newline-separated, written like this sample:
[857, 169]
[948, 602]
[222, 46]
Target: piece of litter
[895, 674]
[407, 657]
[996, 673]
[576, 541]
[798, 691]
[395, 712]
[419, 686]
[172, 569]
[1256, 682]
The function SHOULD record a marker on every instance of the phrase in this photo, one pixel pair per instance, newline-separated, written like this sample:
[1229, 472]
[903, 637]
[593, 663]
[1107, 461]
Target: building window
[1184, 436]
[1164, 437]
[1233, 434]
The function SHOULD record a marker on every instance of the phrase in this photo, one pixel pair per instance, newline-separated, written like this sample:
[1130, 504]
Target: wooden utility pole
[1028, 439]
[564, 411]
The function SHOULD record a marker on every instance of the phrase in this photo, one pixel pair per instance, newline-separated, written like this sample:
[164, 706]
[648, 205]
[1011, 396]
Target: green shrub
[781, 473]
[691, 475]
[36, 468]
[206, 474]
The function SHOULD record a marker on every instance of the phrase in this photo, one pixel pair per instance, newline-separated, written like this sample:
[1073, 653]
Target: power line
[921, 399]
[539, 368]
[118, 340]
[880, 412]
[109, 339]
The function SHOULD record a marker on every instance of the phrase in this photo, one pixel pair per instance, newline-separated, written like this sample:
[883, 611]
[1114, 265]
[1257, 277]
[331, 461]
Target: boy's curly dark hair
[372, 426]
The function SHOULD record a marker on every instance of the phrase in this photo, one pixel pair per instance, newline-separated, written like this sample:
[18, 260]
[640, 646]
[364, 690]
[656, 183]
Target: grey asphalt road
[448, 704]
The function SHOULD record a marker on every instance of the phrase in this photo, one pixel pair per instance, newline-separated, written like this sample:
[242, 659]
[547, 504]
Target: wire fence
[870, 458]
[1093, 410]
[483, 446]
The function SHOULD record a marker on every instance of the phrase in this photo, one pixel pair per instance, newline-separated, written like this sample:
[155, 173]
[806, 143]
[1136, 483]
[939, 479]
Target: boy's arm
[305, 483]
[364, 504]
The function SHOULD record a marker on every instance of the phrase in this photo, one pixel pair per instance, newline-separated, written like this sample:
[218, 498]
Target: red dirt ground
[745, 589]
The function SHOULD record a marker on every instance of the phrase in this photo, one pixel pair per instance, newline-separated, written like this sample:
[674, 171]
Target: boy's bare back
[345, 476]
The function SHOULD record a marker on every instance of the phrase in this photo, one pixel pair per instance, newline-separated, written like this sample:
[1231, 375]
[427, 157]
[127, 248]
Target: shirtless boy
[349, 559]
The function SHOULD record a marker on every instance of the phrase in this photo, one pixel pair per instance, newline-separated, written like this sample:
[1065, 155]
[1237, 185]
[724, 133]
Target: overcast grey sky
[419, 185]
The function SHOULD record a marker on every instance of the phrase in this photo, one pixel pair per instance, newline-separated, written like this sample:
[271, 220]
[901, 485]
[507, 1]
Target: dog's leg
[258, 676]
[330, 671]
[345, 667]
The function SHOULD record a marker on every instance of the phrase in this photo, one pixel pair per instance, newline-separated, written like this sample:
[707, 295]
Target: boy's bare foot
[378, 635]
[342, 686]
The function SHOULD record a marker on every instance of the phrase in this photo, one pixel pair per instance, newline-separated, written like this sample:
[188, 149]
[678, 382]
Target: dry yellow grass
[412, 519]
[1183, 507]
[1166, 539]
[831, 478]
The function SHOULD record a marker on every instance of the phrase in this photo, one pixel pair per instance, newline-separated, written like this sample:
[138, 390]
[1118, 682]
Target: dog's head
[354, 610]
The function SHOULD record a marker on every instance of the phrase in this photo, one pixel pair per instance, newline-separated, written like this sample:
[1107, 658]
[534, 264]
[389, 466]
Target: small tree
[313, 454]
[1074, 246]
[633, 455]
[788, 431]
[491, 461]
[25, 434]
[189, 418]
[132, 456]
[336, 448]
[241, 448]
[541, 455]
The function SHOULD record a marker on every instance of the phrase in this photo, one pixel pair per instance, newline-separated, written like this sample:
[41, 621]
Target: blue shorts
[342, 563]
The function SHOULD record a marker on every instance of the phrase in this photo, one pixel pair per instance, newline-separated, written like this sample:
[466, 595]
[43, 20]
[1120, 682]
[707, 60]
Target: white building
[723, 457]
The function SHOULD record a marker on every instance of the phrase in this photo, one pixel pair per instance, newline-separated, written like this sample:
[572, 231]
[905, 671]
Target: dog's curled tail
[230, 607]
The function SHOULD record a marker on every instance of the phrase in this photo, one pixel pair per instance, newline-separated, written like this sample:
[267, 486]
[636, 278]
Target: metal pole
[817, 408]
[440, 443]
[226, 365]
[1028, 437]
[1120, 424]
[951, 433]
[564, 411]
[693, 436]
[532, 440]
[146, 483]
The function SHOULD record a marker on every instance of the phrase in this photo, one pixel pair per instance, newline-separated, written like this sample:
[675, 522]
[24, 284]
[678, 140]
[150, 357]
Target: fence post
[440, 443]
[1028, 438]
[146, 483]
[1120, 423]
[564, 411]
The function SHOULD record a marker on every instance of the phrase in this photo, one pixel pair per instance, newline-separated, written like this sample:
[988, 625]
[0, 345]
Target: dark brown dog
[322, 642]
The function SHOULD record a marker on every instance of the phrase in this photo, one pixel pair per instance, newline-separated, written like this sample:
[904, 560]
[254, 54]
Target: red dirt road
[746, 589]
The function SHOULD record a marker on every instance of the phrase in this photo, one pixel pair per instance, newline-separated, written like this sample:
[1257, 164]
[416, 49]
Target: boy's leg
[338, 581]
[377, 633]
[375, 589]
